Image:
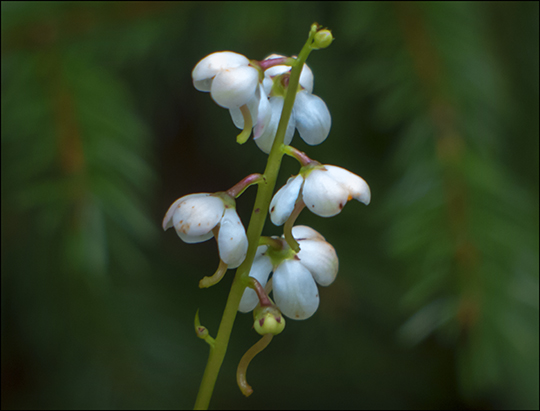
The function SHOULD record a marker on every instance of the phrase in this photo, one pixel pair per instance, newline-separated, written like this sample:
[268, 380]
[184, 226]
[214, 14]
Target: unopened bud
[268, 320]
[322, 39]
[202, 332]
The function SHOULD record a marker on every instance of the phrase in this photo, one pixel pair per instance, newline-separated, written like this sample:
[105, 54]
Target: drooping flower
[196, 217]
[295, 275]
[310, 114]
[229, 78]
[260, 110]
[324, 189]
[233, 83]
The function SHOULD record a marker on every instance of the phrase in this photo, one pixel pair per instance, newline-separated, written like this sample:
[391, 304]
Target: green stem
[302, 158]
[241, 371]
[287, 228]
[216, 278]
[274, 243]
[256, 286]
[256, 224]
[248, 125]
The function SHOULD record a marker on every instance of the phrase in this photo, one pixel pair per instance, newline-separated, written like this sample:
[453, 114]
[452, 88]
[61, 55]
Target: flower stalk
[287, 228]
[237, 190]
[215, 278]
[202, 331]
[271, 98]
[264, 300]
[266, 64]
[254, 231]
[241, 371]
[248, 125]
[300, 156]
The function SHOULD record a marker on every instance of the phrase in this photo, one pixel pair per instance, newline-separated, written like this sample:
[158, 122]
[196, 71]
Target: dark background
[436, 302]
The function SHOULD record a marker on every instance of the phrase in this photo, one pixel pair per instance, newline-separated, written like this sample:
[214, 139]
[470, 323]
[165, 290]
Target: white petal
[237, 117]
[191, 239]
[260, 270]
[320, 258]
[306, 79]
[267, 84]
[234, 87]
[303, 232]
[264, 114]
[195, 214]
[289, 133]
[253, 107]
[282, 204]
[167, 220]
[232, 239]
[273, 56]
[203, 85]
[356, 185]
[208, 67]
[276, 70]
[266, 139]
[323, 195]
[295, 291]
[312, 117]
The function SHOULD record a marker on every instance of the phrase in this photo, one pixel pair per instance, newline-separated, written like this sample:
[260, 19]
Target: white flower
[294, 280]
[229, 78]
[259, 108]
[266, 132]
[310, 114]
[306, 76]
[260, 270]
[194, 218]
[325, 191]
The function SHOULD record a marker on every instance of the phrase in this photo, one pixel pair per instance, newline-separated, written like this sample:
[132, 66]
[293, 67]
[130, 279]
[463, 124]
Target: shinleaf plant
[268, 99]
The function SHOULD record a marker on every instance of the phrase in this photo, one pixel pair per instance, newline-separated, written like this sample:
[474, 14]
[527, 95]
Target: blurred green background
[436, 302]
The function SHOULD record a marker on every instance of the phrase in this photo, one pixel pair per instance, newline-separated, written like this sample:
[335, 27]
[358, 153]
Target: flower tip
[364, 194]
[322, 39]
[232, 239]
[270, 324]
[367, 200]
[168, 219]
[165, 224]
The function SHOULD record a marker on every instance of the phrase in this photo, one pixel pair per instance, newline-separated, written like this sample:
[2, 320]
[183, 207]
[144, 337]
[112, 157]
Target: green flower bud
[202, 332]
[268, 320]
[322, 39]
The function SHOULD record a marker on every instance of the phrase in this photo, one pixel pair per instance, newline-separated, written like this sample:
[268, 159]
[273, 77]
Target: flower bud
[268, 320]
[202, 332]
[322, 39]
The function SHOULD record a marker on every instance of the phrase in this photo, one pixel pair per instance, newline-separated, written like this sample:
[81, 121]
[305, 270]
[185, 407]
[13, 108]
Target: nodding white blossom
[310, 114]
[195, 217]
[325, 190]
[260, 110]
[229, 78]
[295, 276]
[233, 83]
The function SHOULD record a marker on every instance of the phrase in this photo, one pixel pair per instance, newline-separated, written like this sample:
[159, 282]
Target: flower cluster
[295, 274]
[254, 92]
[269, 99]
